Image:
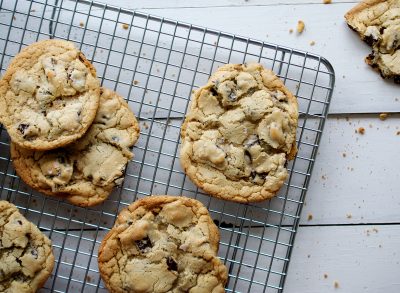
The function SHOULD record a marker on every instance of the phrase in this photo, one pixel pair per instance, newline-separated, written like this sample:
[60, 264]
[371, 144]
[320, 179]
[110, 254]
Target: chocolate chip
[61, 160]
[172, 265]
[214, 91]
[144, 244]
[79, 113]
[381, 30]
[22, 127]
[53, 61]
[34, 253]
[19, 222]
[115, 138]
[369, 40]
[247, 157]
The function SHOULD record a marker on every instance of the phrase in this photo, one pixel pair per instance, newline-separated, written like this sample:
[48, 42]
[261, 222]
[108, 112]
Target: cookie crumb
[81, 24]
[88, 278]
[375, 230]
[14, 18]
[291, 31]
[145, 125]
[325, 276]
[348, 216]
[125, 26]
[312, 43]
[309, 217]
[361, 130]
[323, 177]
[135, 82]
[336, 284]
[327, 1]
[300, 26]
[383, 116]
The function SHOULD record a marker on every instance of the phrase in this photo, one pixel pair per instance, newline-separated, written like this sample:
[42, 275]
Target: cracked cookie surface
[239, 133]
[162, 244]
[378, 24]
[26, 257]
[49, 95]
[86, 171]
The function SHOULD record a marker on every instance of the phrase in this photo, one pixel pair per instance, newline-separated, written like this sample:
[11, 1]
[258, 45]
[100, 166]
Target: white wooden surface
[354, 195]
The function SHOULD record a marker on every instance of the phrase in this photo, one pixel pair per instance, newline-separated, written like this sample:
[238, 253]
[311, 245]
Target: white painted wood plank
[160, 4]
[358, 262]
[366, 182]
[155, 4]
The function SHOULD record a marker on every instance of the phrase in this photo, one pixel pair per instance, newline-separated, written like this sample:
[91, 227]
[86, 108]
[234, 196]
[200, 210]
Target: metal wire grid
[156, 63]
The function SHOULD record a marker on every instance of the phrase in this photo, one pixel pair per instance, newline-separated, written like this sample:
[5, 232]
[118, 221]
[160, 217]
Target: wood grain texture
[360, 258]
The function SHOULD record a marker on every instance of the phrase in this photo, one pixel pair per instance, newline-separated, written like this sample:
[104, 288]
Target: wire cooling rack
[156, 63]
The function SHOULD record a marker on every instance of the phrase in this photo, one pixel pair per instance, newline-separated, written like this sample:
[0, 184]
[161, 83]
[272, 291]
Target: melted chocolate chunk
[144, 244]
[61, 160]
[172, 265]
[22, 127]
[214, 91]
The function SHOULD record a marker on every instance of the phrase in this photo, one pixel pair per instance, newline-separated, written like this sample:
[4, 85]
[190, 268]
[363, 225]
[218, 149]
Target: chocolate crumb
[361, 130]
[325, 276]
[309, 217]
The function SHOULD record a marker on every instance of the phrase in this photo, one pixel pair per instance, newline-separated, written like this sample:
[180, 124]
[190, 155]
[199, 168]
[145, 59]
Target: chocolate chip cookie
[26, 257]
[49, 95]
[378, 23]
[162, 244]
[86, 171]
[239, 134]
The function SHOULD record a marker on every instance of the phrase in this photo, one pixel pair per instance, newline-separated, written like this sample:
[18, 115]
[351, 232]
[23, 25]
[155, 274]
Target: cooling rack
[156, 63]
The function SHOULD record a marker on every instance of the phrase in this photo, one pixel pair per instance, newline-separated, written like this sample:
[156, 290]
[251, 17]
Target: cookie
[162, 244]
[86, 171]
[378, 24]
[26, 257]
[49, 95]
[239, 134]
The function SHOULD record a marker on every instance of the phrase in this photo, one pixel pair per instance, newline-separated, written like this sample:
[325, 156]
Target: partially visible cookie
[86, 171]
[49, 95]
[378, 23]
[239, 134]
[162, 244]
[26, 257]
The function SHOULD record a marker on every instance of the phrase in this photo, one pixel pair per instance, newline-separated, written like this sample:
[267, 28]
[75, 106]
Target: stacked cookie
[70, 137]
